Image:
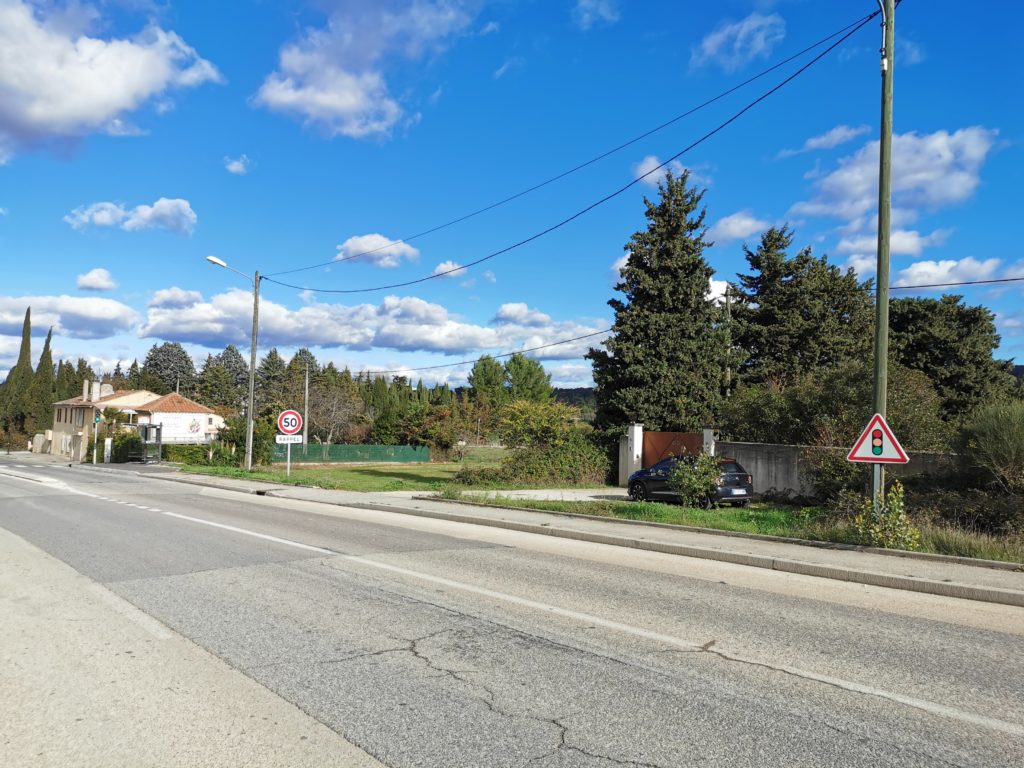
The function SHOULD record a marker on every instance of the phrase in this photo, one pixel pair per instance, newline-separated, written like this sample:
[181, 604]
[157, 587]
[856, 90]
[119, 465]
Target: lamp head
[215, 260]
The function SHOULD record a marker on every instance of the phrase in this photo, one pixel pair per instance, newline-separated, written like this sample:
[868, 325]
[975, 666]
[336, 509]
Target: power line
[585, 164]
[609, 330]
[604, 199]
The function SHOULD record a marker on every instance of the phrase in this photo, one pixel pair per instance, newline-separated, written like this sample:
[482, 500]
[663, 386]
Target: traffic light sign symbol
[876, 442]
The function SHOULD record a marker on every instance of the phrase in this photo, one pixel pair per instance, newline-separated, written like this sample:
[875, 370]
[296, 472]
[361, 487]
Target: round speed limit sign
[289, 422]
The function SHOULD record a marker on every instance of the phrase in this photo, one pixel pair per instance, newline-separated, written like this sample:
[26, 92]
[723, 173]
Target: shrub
[993, 443]
[577, 461]
[887, 526]
[262, 439]
[524, 423]
[126, 443]
[186, 454]
[694, 478]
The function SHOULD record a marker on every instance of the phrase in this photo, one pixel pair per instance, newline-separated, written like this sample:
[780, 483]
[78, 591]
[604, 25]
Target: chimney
[95, 391]
[85, 390]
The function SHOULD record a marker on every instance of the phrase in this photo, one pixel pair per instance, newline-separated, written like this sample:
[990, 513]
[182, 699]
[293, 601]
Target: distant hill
[582, 397]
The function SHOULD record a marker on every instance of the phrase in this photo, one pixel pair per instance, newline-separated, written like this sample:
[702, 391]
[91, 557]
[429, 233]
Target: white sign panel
[878, 445]
[287, 439]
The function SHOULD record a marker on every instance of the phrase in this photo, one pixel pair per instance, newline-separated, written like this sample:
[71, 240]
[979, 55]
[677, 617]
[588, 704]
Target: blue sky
[137, 138]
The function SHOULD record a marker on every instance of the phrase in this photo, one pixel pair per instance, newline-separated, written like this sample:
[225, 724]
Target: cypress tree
[41, 394]
[15, 390]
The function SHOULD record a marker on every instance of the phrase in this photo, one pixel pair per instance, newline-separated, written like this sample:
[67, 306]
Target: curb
[975, 562]
[871, 578]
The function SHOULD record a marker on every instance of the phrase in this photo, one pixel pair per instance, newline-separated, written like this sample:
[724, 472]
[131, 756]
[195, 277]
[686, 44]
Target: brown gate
[661, 445]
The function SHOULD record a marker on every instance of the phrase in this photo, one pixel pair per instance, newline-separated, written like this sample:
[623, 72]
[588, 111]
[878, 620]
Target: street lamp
[250, 412]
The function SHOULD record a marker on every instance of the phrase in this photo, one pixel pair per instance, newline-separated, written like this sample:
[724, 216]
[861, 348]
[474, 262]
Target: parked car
[734, 484]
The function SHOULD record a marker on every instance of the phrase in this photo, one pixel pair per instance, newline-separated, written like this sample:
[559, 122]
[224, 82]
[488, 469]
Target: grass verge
[810, 523]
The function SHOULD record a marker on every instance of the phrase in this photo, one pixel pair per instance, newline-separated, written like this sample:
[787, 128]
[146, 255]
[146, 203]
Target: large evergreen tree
[527, 379]
[271, 377]
[952, 344]
[663, 365]
[487, 382]
[169, 368]
[42, 392]
[799, 314]
[15, 389]
[217, 388]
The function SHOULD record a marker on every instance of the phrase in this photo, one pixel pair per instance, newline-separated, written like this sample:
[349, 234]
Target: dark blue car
[734, 485]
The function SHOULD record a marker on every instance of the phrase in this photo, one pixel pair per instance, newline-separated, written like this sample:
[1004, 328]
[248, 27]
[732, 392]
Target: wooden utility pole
[888, 8]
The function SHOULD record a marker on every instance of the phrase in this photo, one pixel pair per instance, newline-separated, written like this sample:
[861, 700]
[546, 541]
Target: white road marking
[586, 618]
[246, 532]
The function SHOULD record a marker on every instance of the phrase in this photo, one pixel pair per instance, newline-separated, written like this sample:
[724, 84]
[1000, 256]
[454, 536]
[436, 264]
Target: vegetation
[992, 443]
[664, 363]
[694, 478]
[885, 523]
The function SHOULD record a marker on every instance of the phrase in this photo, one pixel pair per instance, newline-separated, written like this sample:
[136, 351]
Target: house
[183, 420]
[75, 420]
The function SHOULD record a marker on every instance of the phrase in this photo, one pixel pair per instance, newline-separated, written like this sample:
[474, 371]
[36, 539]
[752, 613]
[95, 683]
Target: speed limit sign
[289, 422]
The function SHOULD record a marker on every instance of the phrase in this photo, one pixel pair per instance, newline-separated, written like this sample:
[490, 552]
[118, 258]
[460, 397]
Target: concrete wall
[778, 466]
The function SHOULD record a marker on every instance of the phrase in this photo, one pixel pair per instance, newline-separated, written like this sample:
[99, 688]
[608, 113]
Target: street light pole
[251, 409]
[888, 8]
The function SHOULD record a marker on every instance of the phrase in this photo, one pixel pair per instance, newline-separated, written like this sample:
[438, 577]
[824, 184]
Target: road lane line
[586, 618]
[246, 532]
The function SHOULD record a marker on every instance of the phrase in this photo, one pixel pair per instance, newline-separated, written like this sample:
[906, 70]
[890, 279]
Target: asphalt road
[430, 643]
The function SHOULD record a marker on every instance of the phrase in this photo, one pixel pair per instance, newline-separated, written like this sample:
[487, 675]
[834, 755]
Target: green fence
[338, 454]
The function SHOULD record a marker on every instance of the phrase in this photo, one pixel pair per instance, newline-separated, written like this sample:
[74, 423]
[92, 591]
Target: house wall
[185, 427]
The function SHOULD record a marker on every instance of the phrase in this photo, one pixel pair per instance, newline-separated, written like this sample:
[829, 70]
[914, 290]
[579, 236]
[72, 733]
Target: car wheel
[741, 504]
[706, 503]
[637, 492]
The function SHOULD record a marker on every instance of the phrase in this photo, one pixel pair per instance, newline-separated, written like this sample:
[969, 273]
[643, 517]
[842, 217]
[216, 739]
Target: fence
[341, 454]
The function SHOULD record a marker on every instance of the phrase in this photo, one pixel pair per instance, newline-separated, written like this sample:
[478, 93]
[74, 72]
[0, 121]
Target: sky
[316, 141]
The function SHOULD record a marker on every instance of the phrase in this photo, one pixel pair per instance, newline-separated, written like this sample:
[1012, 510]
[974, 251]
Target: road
[432, 643]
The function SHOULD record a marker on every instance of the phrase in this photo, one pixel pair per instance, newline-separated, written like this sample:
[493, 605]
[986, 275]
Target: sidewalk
[982, 580]
[91, 681]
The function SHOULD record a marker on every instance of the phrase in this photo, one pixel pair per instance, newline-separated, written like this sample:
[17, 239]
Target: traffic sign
[289, 422]
[287, 439]
[878, 445]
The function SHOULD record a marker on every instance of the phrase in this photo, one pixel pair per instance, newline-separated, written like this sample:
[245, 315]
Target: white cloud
[74, 316]
[590, 13]
[902, 242]
[948, 271]
[733, 45]
[175, 297]
[1015, 270]
[929, 171]
[737, 226]
[489, 276]
[515, 62]
[175, 215]
[97, 279]
[518, 313]
[908, 53]
[57, 81]
[3, 211]
[571, 374]
[334, 77]
[716, 290]
[618, 265]
[489, 28]
[650, 165]
[238, 166]
[449, 269]
[378, 250]
[832, 138]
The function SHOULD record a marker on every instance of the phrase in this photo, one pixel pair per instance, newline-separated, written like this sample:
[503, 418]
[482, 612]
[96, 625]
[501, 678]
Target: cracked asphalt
[429, 643]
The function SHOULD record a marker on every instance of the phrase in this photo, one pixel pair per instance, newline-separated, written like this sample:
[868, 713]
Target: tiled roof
[173, 403]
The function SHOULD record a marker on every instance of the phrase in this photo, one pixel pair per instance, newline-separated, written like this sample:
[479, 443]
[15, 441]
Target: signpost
[290, 424]
[877, 445]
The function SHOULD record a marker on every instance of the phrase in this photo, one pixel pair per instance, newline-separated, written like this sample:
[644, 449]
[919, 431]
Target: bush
[830, 474]
[888, 526]
[185, 454]
[524, 423]
[262, 439]
[993, 444]
[577, 461]
[126, 443]
[694, 478]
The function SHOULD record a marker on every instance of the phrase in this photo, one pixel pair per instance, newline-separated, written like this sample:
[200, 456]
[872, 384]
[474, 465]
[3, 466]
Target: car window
[665, 465]
[731, 467]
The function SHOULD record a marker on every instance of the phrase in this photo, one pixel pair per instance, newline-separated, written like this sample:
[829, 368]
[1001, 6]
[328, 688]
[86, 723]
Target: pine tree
[487, 382]
[42, 392]
[217, 387]
[952, 344]
[169, 368]
[797, 315]
[232, 359]
[68, 385]
[664, 363]
[527, 379]
[271, 377]
[134, 378]
[117, 378]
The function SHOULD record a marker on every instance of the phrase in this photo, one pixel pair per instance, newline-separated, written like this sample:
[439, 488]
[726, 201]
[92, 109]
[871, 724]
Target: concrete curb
[975, 562]
[906, 583]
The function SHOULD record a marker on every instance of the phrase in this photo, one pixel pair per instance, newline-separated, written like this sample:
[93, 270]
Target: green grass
[770, 520]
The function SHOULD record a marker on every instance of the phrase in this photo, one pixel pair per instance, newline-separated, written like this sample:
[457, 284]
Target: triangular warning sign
[878, 445]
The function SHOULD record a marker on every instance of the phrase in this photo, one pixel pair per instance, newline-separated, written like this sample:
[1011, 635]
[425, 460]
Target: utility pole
[305, 411]
[888, 8]
[252, 371]
[728, 352]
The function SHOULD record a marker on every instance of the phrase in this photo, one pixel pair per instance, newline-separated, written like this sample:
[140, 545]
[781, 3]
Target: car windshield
[731, 468]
